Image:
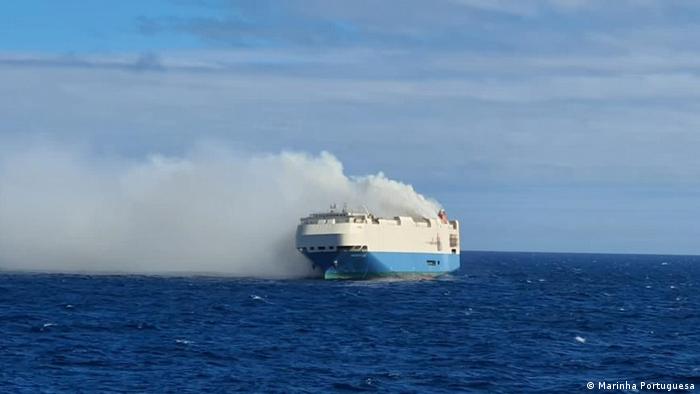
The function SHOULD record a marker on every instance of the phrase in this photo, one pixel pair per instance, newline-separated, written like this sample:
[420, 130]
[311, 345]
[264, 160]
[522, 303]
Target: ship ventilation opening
[349, 247]
[453, 240]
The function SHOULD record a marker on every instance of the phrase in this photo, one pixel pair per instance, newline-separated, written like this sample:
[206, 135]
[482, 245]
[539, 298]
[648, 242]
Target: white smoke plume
[212, 211]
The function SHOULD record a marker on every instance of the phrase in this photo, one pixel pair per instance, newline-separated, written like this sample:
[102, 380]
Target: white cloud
[519, 117]
[529, 8]
[522, 8]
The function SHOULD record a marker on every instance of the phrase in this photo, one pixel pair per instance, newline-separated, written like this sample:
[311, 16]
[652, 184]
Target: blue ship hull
[366, 265]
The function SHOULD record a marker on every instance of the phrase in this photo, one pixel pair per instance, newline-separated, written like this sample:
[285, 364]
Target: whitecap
[183, 341]
[255, 297]
[580, 339]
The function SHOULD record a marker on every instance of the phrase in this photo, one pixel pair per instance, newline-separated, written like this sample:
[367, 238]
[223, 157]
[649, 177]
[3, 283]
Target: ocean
[506, 322]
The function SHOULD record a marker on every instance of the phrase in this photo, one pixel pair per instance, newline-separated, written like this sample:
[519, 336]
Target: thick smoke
[212, 211]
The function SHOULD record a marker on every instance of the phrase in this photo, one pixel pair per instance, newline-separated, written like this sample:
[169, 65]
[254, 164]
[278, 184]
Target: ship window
[321, 248]
[431, 262]
[331, 247]
[454, 251]
[311, 248]
[364, 248]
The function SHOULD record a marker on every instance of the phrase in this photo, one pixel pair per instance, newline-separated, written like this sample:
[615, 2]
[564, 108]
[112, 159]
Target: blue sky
[550, 125]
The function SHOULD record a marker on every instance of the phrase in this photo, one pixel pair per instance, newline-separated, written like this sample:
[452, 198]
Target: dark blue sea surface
[507, 322]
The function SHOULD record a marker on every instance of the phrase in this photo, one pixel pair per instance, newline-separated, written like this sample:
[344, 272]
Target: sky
[543, 125]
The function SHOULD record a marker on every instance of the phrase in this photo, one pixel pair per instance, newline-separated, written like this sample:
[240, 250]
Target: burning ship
[358, 245]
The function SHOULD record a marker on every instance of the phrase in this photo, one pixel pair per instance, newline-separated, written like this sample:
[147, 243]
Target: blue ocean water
[507, 322]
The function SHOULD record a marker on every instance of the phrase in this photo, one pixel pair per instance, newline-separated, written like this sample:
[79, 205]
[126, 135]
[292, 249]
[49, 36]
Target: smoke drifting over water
[211, 211]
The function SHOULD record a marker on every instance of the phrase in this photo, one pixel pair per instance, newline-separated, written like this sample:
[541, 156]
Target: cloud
[489, 79]
[521, 8]
[495, 118]
[497, 26]
[536, 8]
[132, 62]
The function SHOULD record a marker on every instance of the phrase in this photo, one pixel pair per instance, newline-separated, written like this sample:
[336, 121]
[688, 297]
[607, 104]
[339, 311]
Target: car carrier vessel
[343, 244]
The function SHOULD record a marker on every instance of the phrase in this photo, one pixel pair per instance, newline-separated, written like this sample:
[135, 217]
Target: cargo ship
[345, 244]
